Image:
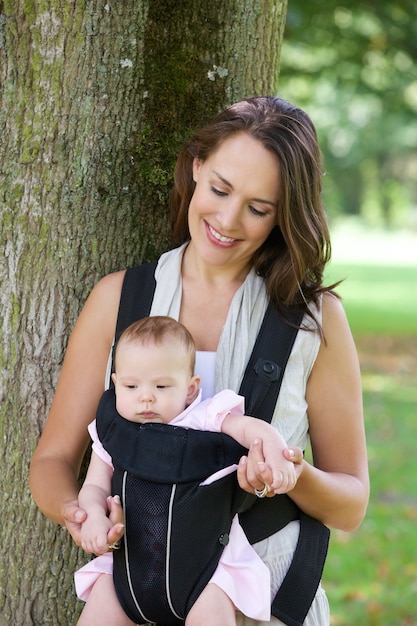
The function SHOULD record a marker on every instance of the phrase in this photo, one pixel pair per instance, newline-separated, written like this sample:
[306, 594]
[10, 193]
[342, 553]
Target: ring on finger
[114, 546]
[261, 493]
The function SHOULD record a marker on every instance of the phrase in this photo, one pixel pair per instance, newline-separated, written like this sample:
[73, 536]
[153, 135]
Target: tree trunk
[95, 100]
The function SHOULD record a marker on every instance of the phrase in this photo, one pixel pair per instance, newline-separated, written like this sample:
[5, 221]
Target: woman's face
[234, 205]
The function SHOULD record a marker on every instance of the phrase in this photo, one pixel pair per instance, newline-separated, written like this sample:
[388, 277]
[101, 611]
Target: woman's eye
[218, 192]
[257, 212]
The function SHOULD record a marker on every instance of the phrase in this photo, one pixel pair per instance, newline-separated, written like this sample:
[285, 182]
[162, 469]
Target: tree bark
[95, 100]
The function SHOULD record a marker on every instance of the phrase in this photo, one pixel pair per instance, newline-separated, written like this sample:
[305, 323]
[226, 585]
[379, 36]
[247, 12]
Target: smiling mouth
[220, 237]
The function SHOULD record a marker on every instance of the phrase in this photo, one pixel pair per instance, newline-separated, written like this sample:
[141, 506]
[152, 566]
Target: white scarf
[242, 324]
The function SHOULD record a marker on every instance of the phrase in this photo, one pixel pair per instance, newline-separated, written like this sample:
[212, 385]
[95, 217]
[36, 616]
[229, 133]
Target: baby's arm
[245, 430]
[93, 499]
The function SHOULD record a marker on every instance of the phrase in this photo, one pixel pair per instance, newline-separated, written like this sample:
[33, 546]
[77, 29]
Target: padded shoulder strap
[135, 299]
[265, 369]
[137, 295]
[260, 387]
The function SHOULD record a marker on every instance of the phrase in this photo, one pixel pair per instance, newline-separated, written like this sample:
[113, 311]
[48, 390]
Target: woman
[248, 217]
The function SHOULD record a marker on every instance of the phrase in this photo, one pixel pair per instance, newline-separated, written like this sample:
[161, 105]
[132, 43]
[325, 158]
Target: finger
[73, 518]
[242, 474]
[115, 510]
[73, 513]
[74, 530]
[256, 451]
[295, 455]
[288, 482]
[115, 534]
[97, 547]
[265, 475]
[255, 457]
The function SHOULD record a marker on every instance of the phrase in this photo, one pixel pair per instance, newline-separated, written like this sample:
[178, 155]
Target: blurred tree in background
[353, 66]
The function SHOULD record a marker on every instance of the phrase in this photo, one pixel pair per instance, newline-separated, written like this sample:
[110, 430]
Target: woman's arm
[57, 459]
[336, 489]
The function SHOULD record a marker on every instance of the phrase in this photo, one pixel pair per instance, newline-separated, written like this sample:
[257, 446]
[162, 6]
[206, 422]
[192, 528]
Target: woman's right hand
[73, 519]
[74, 516]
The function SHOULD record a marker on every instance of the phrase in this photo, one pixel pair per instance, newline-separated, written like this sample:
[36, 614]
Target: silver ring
[261, 493]
[114, 546]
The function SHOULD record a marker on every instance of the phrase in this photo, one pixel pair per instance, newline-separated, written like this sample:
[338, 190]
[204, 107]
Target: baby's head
[154, 370]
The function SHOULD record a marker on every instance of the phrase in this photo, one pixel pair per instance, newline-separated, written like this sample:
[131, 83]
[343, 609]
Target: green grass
[371, 574]
[378, 298]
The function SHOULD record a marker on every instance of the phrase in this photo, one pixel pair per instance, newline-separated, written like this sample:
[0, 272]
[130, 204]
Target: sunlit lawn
[371, 574]
[378, 298]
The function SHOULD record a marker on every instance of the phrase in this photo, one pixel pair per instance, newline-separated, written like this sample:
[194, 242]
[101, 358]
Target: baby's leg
[103, 607]
[213, 606]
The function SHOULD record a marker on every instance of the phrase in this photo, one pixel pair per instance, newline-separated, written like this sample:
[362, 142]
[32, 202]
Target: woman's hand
[74, 516]
[73, 519]
[253, 473]
[116, 516]
[295, 455]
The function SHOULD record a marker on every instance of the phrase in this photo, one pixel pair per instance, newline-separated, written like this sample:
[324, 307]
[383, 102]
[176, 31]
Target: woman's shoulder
[109, 285]
[333, 314]
[99, 314]
[337, 336]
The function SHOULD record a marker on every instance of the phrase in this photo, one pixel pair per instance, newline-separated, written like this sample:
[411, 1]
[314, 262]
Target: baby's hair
[157, 330]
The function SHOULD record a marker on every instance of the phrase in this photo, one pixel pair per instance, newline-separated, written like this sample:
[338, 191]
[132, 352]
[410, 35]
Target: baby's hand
[284, 477]
[94, 532]
[278, 478]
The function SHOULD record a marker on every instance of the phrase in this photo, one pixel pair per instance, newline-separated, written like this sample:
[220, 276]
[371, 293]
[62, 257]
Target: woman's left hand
[253, 473]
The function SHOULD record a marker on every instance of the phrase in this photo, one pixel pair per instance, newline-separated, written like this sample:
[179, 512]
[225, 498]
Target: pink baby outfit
[240, 573]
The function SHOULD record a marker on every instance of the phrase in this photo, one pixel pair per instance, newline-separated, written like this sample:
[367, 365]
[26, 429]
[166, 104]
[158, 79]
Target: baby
[154, 383]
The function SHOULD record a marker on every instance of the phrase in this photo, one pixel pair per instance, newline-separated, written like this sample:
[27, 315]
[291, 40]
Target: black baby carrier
[169, 528]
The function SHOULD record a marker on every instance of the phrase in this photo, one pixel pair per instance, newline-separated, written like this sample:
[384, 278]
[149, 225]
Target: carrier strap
[296, 593]
[260, 387]
[137, 294]
[135, 299]
[265, 369]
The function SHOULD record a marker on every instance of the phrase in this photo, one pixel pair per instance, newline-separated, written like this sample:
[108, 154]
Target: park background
[353, 67]
[96, 96]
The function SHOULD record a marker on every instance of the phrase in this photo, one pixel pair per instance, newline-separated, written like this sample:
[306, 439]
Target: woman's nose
[229, 217]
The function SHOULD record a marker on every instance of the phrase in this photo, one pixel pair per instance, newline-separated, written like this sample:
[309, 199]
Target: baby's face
[152, 382]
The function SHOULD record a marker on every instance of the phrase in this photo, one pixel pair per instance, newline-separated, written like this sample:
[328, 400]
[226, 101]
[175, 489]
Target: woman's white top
[205, 367]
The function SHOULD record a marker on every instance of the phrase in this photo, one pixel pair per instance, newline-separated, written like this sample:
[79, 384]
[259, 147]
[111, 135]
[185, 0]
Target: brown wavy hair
[293, 257]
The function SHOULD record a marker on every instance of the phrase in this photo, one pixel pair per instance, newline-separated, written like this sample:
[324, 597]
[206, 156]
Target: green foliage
[352, 66]
[371, 574]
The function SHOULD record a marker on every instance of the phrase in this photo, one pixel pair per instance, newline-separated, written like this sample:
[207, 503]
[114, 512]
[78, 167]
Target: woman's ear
[193, 389]
[197, 163]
